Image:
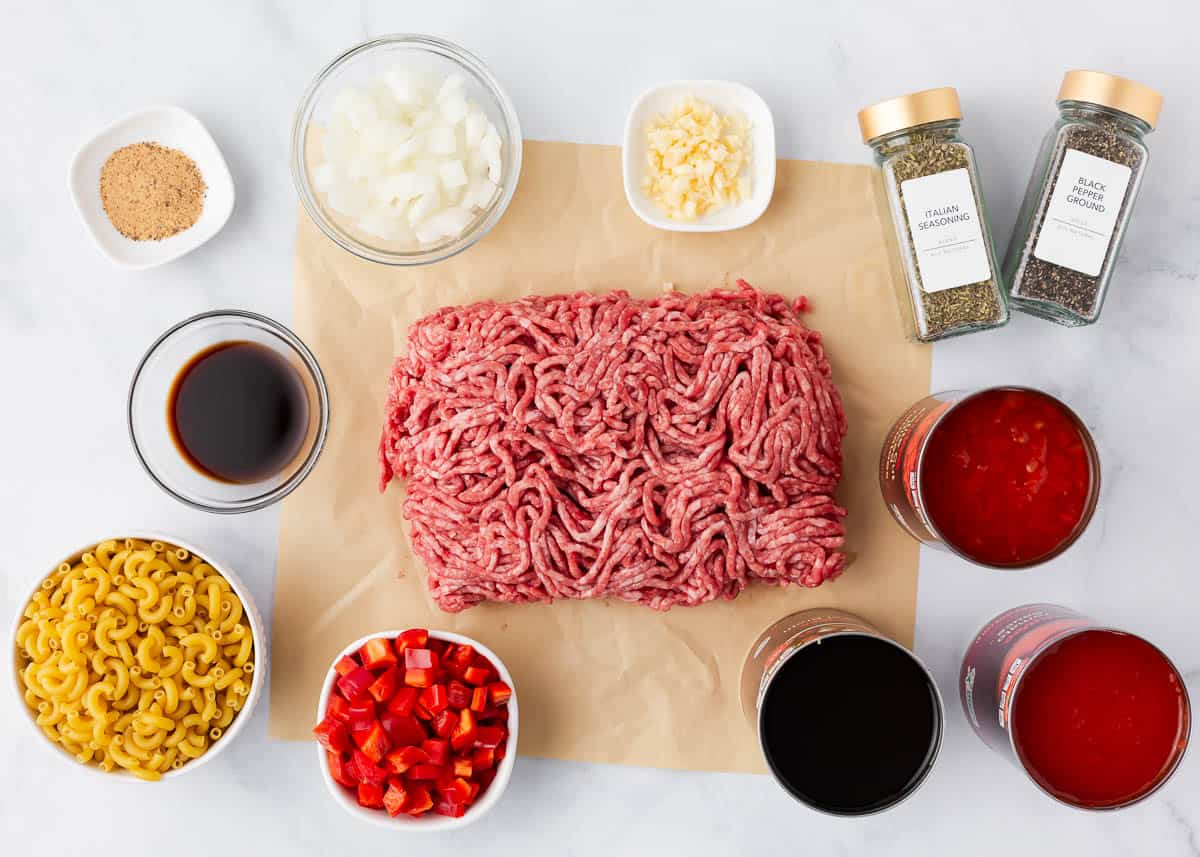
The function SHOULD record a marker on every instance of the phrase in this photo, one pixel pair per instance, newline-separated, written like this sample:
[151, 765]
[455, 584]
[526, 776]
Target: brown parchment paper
[597, 681]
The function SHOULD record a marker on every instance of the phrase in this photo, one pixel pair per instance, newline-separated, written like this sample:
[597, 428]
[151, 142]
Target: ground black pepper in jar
[1084, 184]
[937, 209]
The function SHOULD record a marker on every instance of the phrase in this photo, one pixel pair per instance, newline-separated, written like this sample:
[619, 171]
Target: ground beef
[664, 452]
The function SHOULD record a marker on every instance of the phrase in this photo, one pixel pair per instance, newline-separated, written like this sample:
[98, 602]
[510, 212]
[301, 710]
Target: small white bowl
[168, 126]
[727, 97]
[257, 680]
[430, 821]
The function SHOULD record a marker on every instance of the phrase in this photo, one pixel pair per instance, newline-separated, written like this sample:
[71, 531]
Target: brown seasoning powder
[1046, 281]
[975, 303]
[150, 192]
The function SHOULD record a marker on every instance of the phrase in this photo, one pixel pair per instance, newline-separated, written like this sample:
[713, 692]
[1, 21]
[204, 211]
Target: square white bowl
[429, 822]
[727, 97]
[168, 126]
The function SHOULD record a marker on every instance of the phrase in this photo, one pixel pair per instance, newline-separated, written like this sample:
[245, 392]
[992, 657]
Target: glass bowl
[149, 401]
[364, 64]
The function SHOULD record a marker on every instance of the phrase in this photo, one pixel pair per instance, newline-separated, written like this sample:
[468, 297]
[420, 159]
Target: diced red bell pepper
[458, 694]
[419, 677]
[404, 700]
[443, 723]
[463, 767]
[394, 799]
[419, 800]
[384, 687]
[354, 684]
[370, 795]
[374, 743]
[490, 736]
[338, 708]
[364, 770]
[435, 698]
[457, 790]
[444, 778]
[438, 647]
[403, 731]
[420, 659]
[337, 770]
[332, 735]
[439, 751]
[483, 758]
[501, 752]
[474, 791]
[501, 692]
[421, 712]
[378, 653]
[361, 714]
[463, 735]
[477, 675]
[479, 699]
[457, 659]
[345, 664]
[425, 771]
[404, 758]
[453, 810]
[414, 638]
[485, 779]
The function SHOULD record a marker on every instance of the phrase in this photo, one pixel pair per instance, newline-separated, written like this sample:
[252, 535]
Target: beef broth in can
[849, 721]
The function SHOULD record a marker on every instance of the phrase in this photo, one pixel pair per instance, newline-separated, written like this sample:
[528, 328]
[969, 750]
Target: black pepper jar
[1068, 234]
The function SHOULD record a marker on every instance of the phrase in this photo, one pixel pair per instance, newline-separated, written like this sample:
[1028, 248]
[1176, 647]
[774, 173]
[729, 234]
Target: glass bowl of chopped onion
[406, 150]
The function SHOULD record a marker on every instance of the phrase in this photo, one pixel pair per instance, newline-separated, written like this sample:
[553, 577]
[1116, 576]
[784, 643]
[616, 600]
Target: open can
[1015, 642]
[849, 721]
[902, 464]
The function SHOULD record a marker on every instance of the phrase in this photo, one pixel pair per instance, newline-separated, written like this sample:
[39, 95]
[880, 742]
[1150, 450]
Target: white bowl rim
[257, 679]
[116, 123]
[431, 822]
[640, 206]
[308, 196]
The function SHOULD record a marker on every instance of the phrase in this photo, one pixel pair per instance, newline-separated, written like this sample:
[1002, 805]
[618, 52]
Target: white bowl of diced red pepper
[417, 730]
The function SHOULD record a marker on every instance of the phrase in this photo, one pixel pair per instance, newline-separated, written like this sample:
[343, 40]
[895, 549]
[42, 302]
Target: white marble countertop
[72, 327]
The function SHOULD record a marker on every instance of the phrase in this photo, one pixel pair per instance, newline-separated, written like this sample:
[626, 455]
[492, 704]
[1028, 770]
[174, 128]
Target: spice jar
[1083, 187]
[937, 209]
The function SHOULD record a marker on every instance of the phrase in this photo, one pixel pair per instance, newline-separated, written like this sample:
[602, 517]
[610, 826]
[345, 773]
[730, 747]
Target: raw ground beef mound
[665, 452]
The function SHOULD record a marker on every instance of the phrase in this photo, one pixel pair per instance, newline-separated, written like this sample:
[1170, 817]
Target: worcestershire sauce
[238, 412]
[850, 724]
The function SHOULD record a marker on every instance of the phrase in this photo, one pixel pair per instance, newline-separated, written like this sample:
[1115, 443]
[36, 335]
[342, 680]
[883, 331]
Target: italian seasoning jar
[1079, 199]
[937, 209]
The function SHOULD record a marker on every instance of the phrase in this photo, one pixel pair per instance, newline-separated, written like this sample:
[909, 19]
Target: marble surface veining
[72, 327]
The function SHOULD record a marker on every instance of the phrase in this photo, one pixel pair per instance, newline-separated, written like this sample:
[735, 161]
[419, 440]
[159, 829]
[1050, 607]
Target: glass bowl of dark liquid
[228, 411]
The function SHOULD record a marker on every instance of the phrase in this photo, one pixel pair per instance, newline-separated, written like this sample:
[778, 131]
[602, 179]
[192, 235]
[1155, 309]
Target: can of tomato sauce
[1005, 477]
[1097, 718]
[848, 720]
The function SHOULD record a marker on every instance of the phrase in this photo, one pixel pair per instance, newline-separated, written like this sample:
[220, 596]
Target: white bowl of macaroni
[140, 656]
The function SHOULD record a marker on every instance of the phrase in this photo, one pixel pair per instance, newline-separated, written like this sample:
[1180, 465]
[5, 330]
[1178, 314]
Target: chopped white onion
[409, 157]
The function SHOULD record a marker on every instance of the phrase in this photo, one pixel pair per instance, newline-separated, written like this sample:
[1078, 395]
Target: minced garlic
[694, 160]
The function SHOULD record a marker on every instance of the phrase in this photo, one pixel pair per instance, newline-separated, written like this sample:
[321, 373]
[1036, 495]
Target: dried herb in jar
[949, 309]
[937, 210]
[1078, 203]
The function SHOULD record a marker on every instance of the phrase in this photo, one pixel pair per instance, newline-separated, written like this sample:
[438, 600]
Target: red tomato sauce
[1007, 477]
[1100, 718]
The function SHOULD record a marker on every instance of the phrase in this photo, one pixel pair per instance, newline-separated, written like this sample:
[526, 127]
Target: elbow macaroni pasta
[136, 657]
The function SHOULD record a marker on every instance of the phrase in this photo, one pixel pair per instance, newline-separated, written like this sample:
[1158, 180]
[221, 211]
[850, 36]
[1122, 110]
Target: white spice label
[1082, 213]
[944, 222]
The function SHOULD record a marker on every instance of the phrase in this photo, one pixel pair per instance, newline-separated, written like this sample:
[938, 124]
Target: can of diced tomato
[1005, 477]
[848, 720]
[1096, 717]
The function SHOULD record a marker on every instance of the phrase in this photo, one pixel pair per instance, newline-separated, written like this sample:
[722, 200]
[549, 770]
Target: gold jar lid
[908, 111]
[1108, 90]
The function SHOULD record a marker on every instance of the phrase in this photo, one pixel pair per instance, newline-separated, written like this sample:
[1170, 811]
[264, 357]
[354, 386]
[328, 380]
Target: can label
[899, 464]
[998, 656]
